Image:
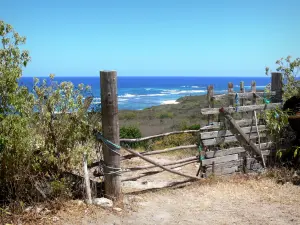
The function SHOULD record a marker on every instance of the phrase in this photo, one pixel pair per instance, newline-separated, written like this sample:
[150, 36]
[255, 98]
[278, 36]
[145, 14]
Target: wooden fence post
[253, 90]
[110, 127]
[276, 85]
[242, 90]
[210, 94]
[230, 91]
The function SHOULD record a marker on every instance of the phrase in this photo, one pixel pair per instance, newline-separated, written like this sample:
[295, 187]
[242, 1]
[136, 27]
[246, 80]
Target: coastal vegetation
[40, 139]
[45, 131]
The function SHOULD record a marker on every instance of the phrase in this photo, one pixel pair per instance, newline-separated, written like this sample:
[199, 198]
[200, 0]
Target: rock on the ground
[80, 203]
[104, 202]
[39, 209]
[55, 219]
[28, 209]
[117, 209]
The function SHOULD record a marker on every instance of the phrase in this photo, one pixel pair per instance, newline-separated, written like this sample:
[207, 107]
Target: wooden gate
[235, 138]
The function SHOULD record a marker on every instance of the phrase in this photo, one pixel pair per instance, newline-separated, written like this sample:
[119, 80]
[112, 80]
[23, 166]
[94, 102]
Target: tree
[12, 60]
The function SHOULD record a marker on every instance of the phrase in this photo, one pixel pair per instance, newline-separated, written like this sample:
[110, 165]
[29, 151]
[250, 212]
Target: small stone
[104, 202]
[178, 168]
[55, 219]
[38, 209]
[46, 211]
[80, 203]
[28, 209]
[117, 209]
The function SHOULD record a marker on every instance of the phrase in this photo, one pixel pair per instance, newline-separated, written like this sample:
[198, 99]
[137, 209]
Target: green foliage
[277, 119]
[290, 70]
[130, 132]
[165, 115]
[12, 60]
[128, 115]
[42, 134]
[174, 140]
[184, 125]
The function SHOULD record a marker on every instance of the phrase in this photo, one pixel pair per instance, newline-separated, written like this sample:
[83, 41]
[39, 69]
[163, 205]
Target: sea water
[137, 93]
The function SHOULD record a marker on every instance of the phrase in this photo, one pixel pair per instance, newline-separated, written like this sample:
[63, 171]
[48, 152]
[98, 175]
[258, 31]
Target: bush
[39, 138]
[165, 115]
[128, 115]
[130, 132]
[175, 140]
[184, 126]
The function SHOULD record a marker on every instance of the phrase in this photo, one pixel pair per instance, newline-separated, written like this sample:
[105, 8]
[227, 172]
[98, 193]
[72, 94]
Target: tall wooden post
[253, 90]
[276, 85]
[230, 91]
[210, 94]
[110, 128]
[242, 90]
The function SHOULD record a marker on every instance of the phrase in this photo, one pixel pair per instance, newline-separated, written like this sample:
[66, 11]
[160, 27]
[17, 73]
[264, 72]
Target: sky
[155, 37]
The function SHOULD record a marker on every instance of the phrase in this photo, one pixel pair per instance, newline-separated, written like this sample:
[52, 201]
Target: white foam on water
[122, 99]
[127, 96]
[169, 102]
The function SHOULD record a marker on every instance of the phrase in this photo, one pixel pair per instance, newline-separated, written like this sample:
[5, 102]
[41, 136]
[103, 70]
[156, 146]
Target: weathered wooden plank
[214, 134]
[210, 93]
[220, 159]
[246, 95]
[216, 125]
[189, 159]
[276, 85]
[160, 165]
[224, 152]
[213, 141]
[129, 156]
[242, 135]
[158, 135]
[224, 168]
[221, 170]
[110, 128]
[246, 108]
[236, 150]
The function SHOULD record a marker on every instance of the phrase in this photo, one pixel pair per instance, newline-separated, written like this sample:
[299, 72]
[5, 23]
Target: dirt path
[235, 201]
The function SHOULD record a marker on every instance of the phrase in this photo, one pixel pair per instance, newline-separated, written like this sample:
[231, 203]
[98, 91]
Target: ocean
[137, 93]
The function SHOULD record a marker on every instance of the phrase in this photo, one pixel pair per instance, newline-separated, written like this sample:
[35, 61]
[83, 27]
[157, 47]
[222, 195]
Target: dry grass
[240, 199]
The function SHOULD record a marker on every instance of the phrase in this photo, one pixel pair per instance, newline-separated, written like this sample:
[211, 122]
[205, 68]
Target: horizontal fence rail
[247, 108]
[157, 136]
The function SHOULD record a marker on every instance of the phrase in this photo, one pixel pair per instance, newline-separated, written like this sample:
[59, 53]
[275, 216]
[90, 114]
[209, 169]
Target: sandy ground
[234, 201]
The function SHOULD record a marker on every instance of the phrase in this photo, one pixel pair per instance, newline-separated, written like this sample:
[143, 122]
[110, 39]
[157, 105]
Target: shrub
[39, 138]
[128, 115]
[165, 115]
[130, 132]
[193, 127]
[174, 140]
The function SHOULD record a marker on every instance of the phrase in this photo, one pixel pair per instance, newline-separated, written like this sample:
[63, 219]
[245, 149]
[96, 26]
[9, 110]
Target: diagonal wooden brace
[243, 136]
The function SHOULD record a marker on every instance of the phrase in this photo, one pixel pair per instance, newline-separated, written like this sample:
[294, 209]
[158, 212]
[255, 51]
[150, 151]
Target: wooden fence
[231, 145]
[227, 145]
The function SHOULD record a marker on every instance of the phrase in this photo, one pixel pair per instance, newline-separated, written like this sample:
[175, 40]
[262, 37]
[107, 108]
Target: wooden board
[214, 134]
[247, 108]
[222, 170]
[247, 95]
[210, 142]
[157, 136]
[236, 150]
[225, 168]
[129, 156]
[220, 159]
[216, 125]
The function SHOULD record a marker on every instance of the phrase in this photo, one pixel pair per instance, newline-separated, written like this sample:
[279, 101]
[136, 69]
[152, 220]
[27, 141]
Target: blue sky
[155, 37]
